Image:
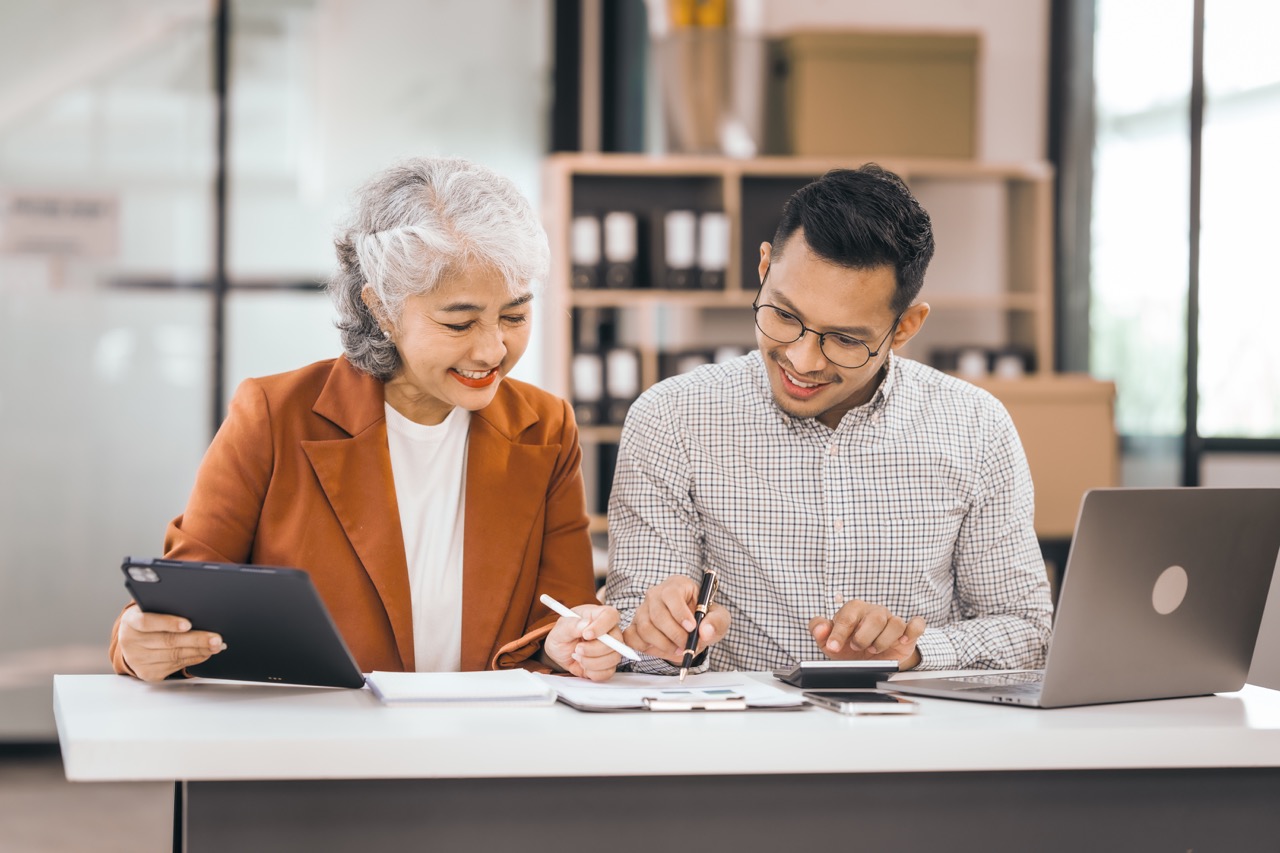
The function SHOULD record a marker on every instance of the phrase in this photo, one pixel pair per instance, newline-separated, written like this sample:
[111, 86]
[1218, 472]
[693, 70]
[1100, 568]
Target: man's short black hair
[860, 219]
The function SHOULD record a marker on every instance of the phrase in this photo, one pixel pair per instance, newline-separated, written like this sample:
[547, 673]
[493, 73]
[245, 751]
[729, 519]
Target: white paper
[629, 690]
[505, 687]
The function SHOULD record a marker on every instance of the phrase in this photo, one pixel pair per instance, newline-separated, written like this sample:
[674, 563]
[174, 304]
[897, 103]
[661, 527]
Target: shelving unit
[990, 284]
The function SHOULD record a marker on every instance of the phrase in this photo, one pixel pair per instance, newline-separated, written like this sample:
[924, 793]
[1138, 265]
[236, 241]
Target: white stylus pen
[621, 648]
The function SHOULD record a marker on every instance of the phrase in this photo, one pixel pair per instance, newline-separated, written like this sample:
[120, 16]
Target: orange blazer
[299, 475]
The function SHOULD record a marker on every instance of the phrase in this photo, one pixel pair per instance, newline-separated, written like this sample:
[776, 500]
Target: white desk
[279, 768]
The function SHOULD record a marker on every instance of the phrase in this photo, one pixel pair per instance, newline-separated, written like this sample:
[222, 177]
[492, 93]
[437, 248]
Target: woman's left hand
[573, 646]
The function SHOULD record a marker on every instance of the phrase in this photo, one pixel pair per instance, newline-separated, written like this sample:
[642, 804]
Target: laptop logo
[1170, 589]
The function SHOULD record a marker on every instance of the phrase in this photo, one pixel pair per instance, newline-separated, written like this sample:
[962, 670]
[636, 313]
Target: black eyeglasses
[841, 350]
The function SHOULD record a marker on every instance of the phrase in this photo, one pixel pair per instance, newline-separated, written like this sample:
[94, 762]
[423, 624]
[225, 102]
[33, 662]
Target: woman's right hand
[573, 644]
[156, 645]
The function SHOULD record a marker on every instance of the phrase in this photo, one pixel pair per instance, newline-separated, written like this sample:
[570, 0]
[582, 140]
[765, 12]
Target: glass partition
[106, 164]
[1141, 159]
[107, 215]
[1239, 370]
[326, 94]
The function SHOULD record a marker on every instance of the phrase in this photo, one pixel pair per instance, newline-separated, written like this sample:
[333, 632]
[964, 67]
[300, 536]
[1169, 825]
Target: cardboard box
[1067, 426]
[865, 93]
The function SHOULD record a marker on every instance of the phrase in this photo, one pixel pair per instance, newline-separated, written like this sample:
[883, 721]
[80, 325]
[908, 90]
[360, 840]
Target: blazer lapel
[506, 488]
[355, 474]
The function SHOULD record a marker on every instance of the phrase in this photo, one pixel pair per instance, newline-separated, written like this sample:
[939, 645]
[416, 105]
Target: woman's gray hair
[416, 224]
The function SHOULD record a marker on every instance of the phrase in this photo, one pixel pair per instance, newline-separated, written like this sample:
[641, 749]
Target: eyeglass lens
[785, 328]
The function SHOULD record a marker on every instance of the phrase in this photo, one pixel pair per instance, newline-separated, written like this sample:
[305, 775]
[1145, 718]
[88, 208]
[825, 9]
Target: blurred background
[171, 172]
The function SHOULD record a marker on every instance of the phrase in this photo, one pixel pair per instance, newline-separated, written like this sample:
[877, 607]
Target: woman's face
[456, 345]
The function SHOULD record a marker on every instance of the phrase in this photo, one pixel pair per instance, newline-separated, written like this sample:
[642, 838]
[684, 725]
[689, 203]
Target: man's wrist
[698, 660]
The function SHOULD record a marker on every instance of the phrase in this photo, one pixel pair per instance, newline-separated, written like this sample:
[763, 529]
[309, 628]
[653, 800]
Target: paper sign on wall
[67, 224]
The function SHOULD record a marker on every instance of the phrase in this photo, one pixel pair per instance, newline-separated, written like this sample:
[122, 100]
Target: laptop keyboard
[1016, 683]
[1009, 690]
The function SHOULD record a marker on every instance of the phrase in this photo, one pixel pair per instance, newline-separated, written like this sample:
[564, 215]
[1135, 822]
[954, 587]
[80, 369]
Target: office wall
[1240, 469]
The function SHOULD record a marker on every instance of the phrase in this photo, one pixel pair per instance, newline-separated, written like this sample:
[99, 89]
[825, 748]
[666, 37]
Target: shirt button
[833, 450]
[839, 524]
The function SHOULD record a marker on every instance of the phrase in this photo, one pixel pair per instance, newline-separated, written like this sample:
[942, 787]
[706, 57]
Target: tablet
[273, 621]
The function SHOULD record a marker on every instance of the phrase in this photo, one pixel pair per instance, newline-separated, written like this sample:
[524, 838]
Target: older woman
[431, 498]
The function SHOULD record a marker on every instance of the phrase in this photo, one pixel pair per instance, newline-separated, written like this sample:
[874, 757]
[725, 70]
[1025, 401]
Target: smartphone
[861, 701]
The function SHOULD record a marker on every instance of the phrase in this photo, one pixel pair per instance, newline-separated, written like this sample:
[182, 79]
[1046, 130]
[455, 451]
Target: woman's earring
[386, 334]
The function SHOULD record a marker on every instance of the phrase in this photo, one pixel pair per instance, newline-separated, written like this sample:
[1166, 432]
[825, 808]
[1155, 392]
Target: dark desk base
[1137, 810]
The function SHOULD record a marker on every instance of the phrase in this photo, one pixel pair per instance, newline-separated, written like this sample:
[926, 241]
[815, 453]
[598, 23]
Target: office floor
[41, 812]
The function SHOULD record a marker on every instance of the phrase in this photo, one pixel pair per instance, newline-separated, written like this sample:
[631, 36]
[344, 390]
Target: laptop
[1162, 597]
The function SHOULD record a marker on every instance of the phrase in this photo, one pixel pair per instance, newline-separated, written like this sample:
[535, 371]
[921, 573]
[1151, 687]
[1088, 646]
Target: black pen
[705, 592]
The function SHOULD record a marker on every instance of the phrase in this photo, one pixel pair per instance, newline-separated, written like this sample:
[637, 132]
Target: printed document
[628, 690]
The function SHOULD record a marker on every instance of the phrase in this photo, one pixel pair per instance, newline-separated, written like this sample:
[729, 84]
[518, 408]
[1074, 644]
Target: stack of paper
[504, 688]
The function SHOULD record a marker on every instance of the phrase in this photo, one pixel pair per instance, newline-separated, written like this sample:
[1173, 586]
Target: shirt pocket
[902, 559]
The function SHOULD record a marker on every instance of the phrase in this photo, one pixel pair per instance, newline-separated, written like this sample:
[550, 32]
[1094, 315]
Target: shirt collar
[760, 379]
[881, 397]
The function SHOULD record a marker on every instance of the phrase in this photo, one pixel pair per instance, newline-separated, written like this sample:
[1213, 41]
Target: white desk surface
[114, 728]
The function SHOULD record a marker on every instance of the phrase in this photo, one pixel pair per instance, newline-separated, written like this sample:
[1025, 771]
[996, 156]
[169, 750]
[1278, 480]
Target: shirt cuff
[936, 651]
[658, 666]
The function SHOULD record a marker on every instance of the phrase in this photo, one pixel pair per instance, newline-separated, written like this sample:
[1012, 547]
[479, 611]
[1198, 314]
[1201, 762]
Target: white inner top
[429, 465]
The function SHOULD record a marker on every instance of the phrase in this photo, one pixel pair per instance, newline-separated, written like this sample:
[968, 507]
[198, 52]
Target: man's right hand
[664, 619]
[156, 645]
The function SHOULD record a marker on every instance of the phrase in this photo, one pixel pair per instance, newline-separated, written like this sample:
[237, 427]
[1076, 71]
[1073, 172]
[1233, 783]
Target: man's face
[828, 298]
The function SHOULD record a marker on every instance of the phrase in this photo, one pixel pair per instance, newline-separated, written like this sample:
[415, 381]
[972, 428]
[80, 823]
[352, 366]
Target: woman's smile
[474, 378]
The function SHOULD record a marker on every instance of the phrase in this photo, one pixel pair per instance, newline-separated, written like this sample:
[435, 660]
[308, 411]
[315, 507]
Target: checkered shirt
[921, 500]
